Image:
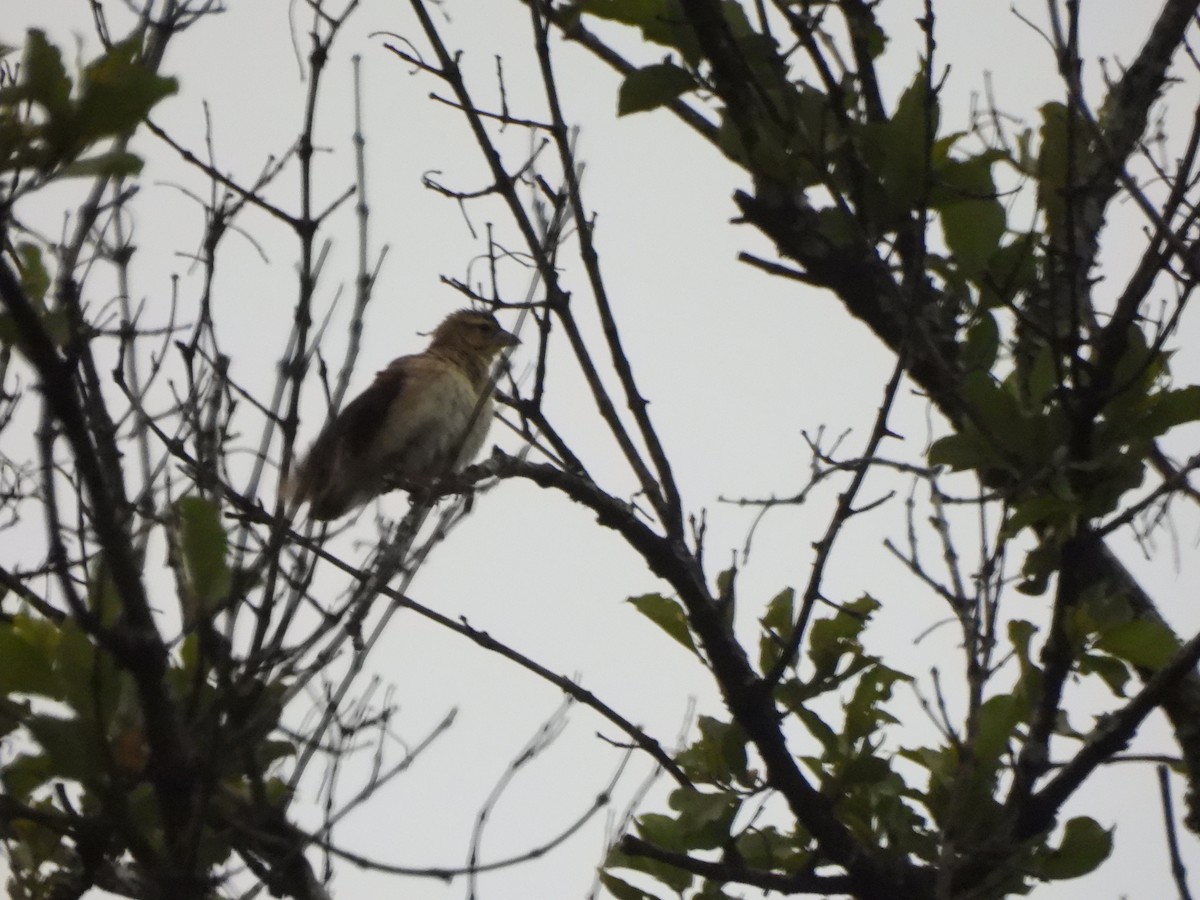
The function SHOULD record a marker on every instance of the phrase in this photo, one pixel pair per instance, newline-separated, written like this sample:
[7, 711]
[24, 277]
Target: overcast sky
[735, 364]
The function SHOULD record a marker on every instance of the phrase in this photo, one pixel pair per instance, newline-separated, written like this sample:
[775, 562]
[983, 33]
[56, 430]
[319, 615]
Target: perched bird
[424, 417]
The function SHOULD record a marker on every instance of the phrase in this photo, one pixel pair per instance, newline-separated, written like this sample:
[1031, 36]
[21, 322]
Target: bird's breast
[436, 425]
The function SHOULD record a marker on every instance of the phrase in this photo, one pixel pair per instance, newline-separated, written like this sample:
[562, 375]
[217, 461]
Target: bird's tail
[328, 492]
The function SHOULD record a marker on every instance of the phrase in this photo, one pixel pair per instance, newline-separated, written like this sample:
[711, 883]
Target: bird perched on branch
[424, 417]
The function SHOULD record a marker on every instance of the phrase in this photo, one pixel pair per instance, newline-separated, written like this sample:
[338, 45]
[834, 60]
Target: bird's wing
[427, 418]
[359, 422]
[418, 419]
[333, 477]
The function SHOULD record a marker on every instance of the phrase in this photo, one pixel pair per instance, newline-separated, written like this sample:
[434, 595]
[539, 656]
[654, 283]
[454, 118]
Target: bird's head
[477, 333]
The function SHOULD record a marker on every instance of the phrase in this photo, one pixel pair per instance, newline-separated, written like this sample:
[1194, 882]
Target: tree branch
[134, 640]
[748, 698]
[803, 882]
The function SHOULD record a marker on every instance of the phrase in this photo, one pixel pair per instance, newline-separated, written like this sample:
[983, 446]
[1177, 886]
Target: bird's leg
[425, 491]
[459, 483]
[393, 481]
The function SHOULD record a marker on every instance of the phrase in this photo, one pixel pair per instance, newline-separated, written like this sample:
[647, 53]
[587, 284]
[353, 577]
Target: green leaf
[90, 681]
[25, 668]
[1147, 644]
[965, 450]
[114, 93]
[864, 711]
[70, 745]
[1044, 377]
[661, 22]
[973, 230]
[38, 632]
[1168, 409]
[623, 890]
[651, 87]
[982, 344]
[780, 615]
[726, 579]
[1020, 635]
[1040, 564]
[1121, 471]
[668, 615]
[831, 639]
[838, 227]
[8, 331]
[203, 547]
[777, 625]
[1097, 610]
[1113, 672]
[998, 719]
[718, 756]
[865, 771]
[269, 751]
[33, 845]
[873, 35]
[212, 849]
[676, 879]
[901, 149]
[1085, 845]
[26, 774]
[44, 78]
[1052, 165]
[662, 831]
[278, 792]
[35, 280]
[710, 890]
[704, 818]
[1136, 372]
[1038, 509]
[941, 763]
[830, 740]
[996, 405]
[113, 163]
[765, 848]
[961, 180]
[117, 93]
[12, 714]
[1012, 270]
[56, 323]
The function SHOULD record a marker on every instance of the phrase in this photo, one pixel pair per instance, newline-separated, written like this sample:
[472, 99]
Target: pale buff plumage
[425, 416]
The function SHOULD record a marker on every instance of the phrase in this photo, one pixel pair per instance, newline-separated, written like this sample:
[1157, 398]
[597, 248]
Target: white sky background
[735, 364]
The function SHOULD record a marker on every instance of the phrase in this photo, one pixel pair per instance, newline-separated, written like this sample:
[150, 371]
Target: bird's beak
[506, 339]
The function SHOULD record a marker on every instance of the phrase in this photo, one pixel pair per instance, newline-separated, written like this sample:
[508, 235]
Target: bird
[424, 417]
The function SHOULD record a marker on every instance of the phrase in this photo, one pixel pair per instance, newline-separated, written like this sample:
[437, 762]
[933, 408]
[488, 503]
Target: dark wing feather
[331, 477]
[359, 422]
